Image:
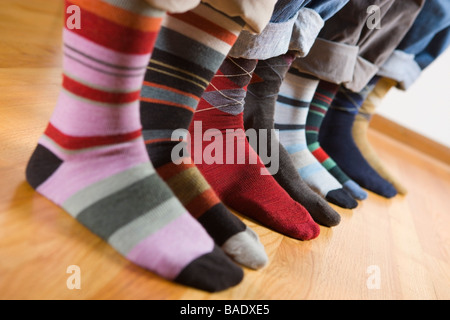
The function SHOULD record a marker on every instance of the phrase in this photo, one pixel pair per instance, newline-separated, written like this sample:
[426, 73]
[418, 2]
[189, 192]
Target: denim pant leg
[348, 52]
[435, 48]
[434, 17]
[327, 8]
[274, 40]
[285, 10]
[427, 39]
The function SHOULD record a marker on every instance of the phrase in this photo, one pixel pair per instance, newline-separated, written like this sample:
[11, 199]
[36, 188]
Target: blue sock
[336, 139]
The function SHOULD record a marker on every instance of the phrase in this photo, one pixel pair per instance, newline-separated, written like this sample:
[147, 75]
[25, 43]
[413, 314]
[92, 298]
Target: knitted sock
[291, 111]
[336, 139]
[230, 164]
[323, 97]
[92, 162]
[188, 52]
[361, 126]
[259, 115]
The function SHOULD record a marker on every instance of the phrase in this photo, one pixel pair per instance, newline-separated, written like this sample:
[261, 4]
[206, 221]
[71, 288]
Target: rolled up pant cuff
[364, 71]
[273, 41]
[330, 61]
[306, 29]
[402, 68]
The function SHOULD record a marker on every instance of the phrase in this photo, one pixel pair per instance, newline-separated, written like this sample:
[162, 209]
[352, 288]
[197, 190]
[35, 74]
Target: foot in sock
[291, 111]
[177, 76]
[259, 115]
[320, 104]
[360, 135]
[336, 139]
[92, 161]
[235, 171]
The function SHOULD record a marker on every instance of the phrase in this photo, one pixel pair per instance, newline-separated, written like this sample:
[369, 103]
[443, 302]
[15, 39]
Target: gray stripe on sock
[100, 190]
[127, 237]
[226, 100]
[166, 95]
[113, 212]
[173, 42]
[140, 7]
[162, 134]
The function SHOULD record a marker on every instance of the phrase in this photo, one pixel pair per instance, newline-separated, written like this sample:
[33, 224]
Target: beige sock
[361, 126]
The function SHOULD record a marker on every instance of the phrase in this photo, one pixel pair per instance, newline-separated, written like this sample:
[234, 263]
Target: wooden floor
[404, 242]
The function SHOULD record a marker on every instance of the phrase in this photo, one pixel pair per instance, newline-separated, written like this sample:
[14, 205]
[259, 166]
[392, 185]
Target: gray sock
[259, 114]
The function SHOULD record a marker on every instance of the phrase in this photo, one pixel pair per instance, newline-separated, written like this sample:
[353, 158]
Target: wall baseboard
[411, 138]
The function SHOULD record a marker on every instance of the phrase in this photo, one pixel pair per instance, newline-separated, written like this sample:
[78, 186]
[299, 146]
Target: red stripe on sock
[87, 92]
[320, 155]
[202, 203]
[323, 98]
[311, 128]
[77, 143]
[206, 26]
[105, 32]
[317, 109]
[170, 169]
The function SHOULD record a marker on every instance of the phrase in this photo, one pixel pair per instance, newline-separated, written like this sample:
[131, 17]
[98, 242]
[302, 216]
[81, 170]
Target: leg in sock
[184, 60]
[320, 104]
[92, 161]
[361, 126]
[291, 111]
[237, 174]
[259, 113]
[336, 139]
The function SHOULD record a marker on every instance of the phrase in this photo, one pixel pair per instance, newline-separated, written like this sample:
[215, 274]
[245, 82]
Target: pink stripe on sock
[99, 52]
[168, 251]
[89, 167]
[103, 64]
[80, 118]
[95, 78]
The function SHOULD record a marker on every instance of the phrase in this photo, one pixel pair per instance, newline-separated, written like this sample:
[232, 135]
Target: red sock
[237, 178]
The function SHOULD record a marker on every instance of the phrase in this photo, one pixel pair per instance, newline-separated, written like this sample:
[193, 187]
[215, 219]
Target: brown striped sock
[189, 50]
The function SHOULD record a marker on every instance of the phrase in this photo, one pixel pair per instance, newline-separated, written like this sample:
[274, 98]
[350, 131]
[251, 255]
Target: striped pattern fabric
[321, 101]
[239, 177]
[291, 111]
[189, 50]
[91, 159]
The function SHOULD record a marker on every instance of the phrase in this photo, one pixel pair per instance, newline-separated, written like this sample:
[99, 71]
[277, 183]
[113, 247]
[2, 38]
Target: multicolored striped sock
[320, 104]
[291, 111]
[361, 127]
[189, 50]
[235, 171]
[92, 161]
[259, 113]
[335, 137]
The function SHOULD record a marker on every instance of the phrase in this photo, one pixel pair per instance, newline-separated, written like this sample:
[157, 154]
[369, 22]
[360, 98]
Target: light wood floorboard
[406, 239]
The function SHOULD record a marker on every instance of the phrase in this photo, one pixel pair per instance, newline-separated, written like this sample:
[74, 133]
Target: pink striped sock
[92, 161]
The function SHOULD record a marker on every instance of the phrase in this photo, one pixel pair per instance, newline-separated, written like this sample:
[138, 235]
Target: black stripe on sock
[43, 163]
[221, 223]
[293, 102]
